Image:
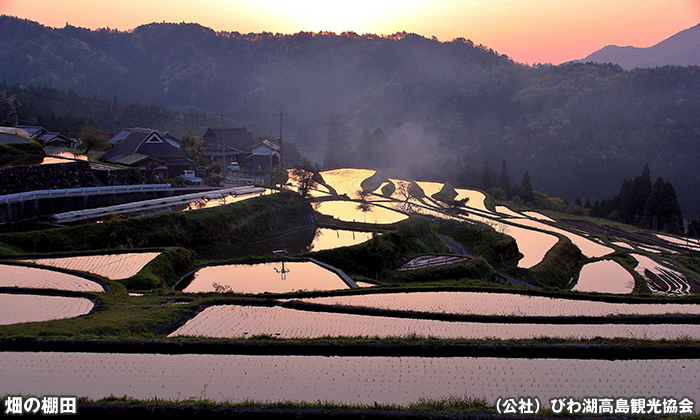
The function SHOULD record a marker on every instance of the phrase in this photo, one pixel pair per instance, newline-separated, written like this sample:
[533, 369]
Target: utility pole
[282, 114]
[223, 144]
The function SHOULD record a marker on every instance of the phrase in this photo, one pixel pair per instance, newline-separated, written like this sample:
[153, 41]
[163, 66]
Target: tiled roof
[237, 140]
[144, 142]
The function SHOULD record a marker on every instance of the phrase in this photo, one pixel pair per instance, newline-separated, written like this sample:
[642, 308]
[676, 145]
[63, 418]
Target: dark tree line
[68, 112]
[643, 204]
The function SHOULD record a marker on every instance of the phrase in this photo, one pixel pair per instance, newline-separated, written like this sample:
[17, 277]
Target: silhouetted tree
[92, 137]
[527, 193]
[662, 211]
[486, 180]
[504, 179]
[305, 174]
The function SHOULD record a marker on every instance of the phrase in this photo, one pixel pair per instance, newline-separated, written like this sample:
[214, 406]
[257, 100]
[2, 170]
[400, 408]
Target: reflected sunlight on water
[15, 308]
[273, 277]
[605, 276]
[348, 211]
[38, 278]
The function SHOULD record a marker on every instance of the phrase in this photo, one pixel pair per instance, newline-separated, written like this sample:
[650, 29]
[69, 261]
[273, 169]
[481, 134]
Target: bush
[163, 271]
[215, 180]
[179, 181]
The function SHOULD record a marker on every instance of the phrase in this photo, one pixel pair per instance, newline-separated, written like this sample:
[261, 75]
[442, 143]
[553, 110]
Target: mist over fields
[442, 108]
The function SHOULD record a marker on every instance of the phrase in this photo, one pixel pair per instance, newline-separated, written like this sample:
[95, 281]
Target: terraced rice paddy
[234, 321]
[508, 212]
[477, 199]
[538, 216]
[38, 278]
[429, 261]
[624, 245]
[207, 203]
[346, 181]
[693, 244]
[326, 238]
[605, 276]
[501, 304]
[359, 380]
[111, 266]
[273, 277]
[662, 280]
[15, 309]
[532, 244]
[589, 248]
[62, 157]
[348, 211]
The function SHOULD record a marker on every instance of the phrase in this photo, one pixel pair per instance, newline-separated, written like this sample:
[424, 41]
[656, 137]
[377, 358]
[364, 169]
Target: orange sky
[529, 31]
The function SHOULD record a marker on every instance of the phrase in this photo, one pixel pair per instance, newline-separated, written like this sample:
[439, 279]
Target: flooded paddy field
[360, 380]
[605, 276]
[501, 304]
[350, 211]
[39, 278]
[271, 277]
[18, 308]
[111, 266]
[235, 321]
[532, 244]
[588, 247]
[297, 242]
[661, 279]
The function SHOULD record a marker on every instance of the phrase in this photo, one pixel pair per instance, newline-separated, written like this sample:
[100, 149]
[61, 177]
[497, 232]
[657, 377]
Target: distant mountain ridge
[681, 49]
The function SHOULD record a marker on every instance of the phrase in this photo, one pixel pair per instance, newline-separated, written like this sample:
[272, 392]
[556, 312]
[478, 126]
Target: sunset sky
[529, 31]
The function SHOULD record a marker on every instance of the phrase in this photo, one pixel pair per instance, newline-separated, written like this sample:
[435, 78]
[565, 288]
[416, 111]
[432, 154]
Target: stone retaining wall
[16, 179]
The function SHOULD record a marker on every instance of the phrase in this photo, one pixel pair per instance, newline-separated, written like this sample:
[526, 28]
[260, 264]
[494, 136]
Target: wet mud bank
[419, 349]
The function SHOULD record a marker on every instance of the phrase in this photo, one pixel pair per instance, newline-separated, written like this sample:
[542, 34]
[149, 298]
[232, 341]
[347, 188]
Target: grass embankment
[375, 181]
[200, 408]
[558, 267]
[378, 258]
[163, 271]
[119, 316]
[482, 240]
[200, 231]
[15, 154]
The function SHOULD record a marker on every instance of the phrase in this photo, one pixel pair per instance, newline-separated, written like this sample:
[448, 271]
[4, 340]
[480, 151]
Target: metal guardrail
[155, 204]
[68, 192]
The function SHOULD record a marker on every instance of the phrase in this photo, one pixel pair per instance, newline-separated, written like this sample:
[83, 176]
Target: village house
[264, 155]
[147, 150]
[233, 144]
[48, 138]
[237, 145]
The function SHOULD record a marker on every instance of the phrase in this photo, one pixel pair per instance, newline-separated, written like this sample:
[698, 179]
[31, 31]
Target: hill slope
[681, 49]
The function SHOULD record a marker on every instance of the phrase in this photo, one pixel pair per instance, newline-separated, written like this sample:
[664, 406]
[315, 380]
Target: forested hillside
[443, 108]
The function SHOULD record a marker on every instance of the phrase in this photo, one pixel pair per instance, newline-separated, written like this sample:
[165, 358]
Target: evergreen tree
[504, 179]
[527, 193]
[661, 210]
[486, 180]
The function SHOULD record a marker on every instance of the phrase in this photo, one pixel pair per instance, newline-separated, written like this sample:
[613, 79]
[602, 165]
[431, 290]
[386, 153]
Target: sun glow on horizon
[528, 31]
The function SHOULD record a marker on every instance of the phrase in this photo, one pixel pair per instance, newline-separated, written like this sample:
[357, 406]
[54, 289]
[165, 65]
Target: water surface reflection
[272, 277]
